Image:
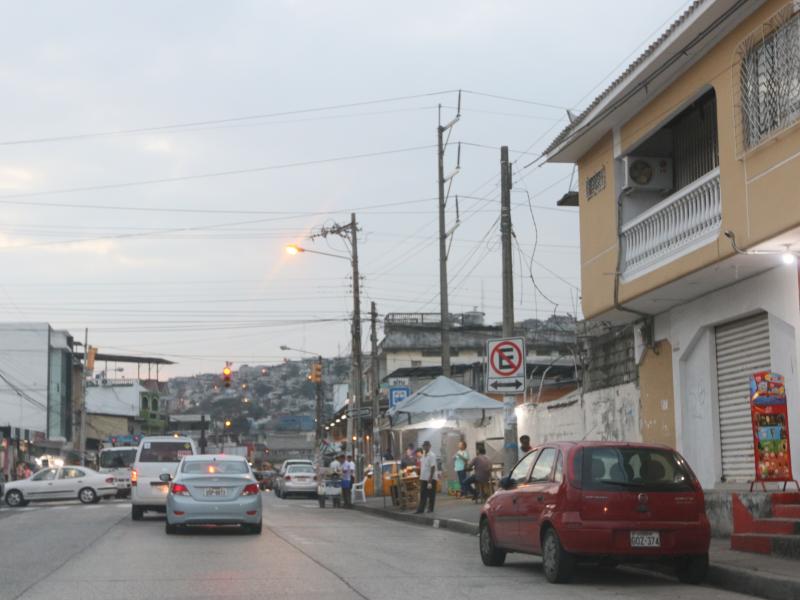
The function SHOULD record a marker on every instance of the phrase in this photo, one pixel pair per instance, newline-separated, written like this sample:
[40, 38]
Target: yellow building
[689, 171]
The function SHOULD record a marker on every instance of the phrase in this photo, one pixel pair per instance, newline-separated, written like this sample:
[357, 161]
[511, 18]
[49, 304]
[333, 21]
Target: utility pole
[509, 401]
[318, 412]
[82, 441]
[375, 391]
[444, 308]
[203, 442]
[349, 233]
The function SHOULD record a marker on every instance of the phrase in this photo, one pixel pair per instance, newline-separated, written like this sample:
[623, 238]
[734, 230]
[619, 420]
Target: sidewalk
[755, 574]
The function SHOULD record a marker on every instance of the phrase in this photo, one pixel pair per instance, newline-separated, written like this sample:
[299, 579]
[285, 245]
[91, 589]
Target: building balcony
[686, 220]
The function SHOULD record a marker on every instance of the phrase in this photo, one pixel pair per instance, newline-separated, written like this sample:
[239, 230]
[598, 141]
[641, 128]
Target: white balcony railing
[684, 221]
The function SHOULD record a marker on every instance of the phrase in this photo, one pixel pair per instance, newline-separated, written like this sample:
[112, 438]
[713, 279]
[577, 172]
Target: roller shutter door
[742, 349]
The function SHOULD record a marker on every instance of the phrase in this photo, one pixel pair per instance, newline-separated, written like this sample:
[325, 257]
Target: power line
[187, 124]
[519, 100]
[144, 182]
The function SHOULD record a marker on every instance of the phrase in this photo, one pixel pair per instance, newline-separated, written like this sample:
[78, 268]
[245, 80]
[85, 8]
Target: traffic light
[226, 376]
[316, 373]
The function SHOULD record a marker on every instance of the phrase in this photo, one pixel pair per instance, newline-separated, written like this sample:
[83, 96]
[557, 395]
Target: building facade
[690, 225]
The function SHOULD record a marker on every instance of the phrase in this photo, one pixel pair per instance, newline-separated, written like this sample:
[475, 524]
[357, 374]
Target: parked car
[599, 501]
[298, 479]
[64, 483]
[279, 478]
[156, 456]
[213, 490]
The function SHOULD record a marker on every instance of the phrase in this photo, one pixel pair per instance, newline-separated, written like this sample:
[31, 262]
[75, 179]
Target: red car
[606, 502]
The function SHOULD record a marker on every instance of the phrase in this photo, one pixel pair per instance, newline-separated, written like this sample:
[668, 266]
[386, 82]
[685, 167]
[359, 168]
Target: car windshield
[161, 452]
[637, 469]
[117, 459]
[294, 469]
[215, 467]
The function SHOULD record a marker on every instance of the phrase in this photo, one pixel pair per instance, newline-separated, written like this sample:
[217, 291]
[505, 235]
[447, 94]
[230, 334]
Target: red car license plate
[645, 539]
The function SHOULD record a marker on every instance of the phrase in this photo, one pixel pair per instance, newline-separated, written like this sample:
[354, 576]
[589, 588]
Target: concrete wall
[607, 414]
[658, 399]
[24, 359]
[690, 330]
[609, 360]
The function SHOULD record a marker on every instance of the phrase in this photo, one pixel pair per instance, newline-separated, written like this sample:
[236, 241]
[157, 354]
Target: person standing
[524, 445]
[409, 458]
[460, 464]
[428, 475]
[348, 473]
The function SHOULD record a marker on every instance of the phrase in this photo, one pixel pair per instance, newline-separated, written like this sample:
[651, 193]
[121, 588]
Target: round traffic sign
[506, 359]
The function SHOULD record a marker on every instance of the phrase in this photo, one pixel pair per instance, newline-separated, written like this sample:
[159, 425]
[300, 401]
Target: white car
[117, 463]
[277, 485]
[61, 483]
[156, 456]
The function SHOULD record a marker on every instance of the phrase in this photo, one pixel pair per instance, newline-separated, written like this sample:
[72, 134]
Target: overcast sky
[193, 268]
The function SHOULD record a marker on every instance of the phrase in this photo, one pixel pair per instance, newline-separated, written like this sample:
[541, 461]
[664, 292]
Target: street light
[349, 233]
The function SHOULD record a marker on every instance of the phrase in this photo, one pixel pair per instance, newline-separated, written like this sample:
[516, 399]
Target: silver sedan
[213, 490]
[299, 479]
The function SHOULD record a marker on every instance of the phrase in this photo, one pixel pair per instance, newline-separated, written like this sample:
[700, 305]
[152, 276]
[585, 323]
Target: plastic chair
[358, 490]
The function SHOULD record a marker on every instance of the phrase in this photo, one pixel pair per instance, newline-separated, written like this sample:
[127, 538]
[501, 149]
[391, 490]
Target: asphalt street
[70, 551]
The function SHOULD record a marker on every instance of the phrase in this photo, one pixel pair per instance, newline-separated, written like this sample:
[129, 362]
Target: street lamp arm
[285, 348]
[297, 249]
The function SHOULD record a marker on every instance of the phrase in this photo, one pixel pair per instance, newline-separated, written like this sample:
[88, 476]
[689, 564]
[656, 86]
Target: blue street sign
[398, 393]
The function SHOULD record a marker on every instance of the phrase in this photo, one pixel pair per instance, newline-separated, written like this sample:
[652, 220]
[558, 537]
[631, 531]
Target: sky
[156, 158]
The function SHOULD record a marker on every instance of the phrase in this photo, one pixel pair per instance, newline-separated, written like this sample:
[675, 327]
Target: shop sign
[769, 415]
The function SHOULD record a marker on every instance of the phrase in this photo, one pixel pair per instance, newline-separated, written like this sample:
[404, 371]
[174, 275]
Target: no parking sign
[505, 366]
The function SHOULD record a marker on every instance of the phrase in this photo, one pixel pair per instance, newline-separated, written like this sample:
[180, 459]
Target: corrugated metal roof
[569, 129]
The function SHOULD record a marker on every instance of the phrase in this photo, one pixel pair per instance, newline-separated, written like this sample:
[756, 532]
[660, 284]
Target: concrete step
[787, 546]
[786, 511]
[776, 525]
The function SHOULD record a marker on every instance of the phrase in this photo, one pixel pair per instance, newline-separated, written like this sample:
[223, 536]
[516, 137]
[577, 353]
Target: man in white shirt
[428, 476]
[335, 468]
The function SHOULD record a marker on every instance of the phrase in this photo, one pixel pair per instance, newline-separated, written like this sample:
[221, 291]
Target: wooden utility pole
[509, 401]
[444, 308]
[84, 374]
[357, 365]
[319, 401]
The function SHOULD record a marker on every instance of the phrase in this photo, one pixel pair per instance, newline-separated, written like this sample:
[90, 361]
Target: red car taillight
[109, 480]
[179, 489]
[134, 477]
[251, 489]
[287, 478]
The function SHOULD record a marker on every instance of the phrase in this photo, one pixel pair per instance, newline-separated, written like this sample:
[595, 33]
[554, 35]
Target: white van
[117, 462]
[154, 456]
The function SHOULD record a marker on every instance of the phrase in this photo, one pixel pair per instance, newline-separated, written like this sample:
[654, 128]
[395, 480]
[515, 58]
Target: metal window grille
[695, 146]
[596, 183]
[769, 77]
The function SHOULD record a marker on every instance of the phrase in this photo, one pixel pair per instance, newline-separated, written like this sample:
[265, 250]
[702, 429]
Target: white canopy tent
[441, 403]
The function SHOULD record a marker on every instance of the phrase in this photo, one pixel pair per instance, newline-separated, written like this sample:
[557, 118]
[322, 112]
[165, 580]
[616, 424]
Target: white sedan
[61, 483]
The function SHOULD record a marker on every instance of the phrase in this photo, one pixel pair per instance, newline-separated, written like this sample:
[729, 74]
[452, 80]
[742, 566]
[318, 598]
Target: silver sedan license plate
[216, 491]
[645, 539]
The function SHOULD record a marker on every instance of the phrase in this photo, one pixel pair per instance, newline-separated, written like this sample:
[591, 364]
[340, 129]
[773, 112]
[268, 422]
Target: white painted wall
[690, 330]
[24, 351]
[607, 414]
[403, 359]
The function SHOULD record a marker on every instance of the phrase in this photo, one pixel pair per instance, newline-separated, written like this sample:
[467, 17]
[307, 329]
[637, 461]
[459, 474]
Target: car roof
[166, 438]
[206, 457]
[602, 444]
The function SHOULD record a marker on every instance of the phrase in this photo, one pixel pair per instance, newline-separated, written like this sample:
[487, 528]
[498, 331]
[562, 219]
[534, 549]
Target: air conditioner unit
[647, 174]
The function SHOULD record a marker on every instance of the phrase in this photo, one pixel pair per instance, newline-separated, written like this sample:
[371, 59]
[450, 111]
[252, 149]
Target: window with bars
[770, 78]
[596, 183]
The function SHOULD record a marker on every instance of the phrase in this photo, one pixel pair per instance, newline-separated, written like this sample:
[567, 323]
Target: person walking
[348, 473]
[460, 464]
[428, 475]
[481, 472]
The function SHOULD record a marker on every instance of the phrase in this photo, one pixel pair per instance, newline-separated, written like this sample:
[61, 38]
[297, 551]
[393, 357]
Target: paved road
[69, 551]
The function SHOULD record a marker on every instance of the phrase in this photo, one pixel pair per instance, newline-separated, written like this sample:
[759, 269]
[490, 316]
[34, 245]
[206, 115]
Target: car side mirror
[165, 477]
[507, 482]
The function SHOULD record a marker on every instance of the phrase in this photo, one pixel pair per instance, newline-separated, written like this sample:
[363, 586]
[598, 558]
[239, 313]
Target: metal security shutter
[742, 349]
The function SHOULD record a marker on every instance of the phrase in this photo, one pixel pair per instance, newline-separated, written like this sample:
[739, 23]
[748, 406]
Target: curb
[456, 525]
[759, 584]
